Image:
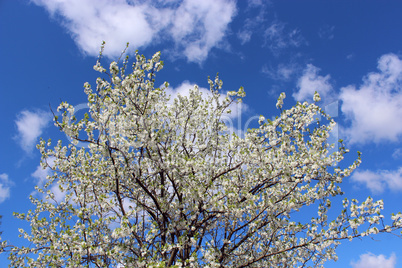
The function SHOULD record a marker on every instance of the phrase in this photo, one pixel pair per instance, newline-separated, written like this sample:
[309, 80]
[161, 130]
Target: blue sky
[349, 51]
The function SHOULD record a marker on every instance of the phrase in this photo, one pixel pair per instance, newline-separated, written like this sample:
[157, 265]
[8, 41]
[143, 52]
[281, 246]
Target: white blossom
[316, 97]
[279, 103]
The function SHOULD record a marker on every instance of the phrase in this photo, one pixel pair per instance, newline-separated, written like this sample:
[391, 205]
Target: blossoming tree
[163, 183]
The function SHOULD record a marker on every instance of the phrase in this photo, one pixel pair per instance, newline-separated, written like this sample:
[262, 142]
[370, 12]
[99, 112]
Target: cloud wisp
[397, 153]
[326, 32]
[195, 27]
[278, 37]
[282, 72]
[254, 23]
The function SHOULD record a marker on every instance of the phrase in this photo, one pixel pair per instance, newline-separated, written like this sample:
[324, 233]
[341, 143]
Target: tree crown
[163, 182]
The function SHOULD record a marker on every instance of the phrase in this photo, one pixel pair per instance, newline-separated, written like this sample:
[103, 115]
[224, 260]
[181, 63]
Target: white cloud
[205, 21]
[375, 108]
[369, 260]
[194, 26]
[379, 180]
[5, 185]
[310, 82]
[30, 126]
